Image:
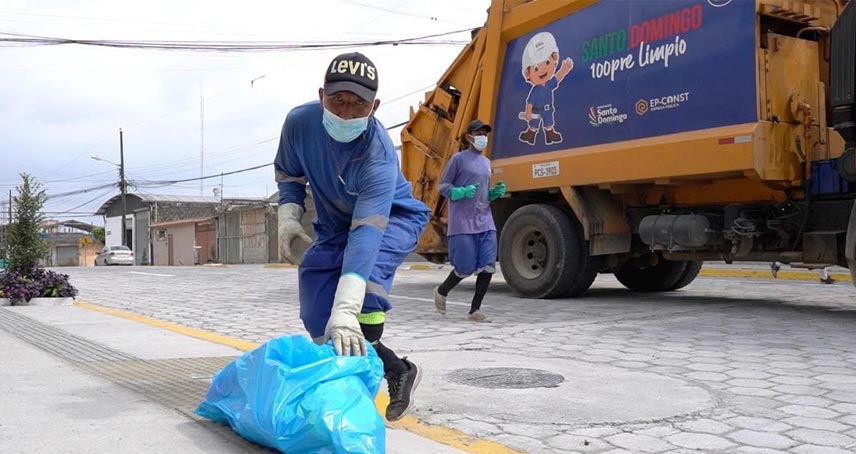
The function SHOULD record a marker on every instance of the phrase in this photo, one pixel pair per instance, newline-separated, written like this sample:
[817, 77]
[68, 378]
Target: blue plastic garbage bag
[300, 398]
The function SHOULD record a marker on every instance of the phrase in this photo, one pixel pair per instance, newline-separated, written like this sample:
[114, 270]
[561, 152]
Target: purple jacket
[468, 215]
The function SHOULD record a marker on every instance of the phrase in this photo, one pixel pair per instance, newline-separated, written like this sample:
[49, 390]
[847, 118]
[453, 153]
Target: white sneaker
[478, 316]
[439, 301]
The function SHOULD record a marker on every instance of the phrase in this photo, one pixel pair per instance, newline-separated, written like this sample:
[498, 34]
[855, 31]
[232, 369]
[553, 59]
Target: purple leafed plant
[20, 286]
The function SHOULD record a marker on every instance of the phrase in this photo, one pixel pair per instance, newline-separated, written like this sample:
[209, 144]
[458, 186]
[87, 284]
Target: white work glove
[343, 327]
[289, 229]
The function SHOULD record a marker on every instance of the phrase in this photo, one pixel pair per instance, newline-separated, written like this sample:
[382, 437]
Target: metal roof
[86, 227]
[155, 198]
[177, 198]
[182, 221]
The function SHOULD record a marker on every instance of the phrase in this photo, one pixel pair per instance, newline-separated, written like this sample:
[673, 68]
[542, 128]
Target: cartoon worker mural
[540, 64]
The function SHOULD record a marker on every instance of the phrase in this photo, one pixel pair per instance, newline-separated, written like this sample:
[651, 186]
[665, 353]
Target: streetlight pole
[122, 184]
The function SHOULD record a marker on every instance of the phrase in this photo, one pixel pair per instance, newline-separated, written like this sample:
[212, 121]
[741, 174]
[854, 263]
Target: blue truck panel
[628, 69]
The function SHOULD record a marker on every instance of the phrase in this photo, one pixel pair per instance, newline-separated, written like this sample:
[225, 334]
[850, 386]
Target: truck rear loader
[643, 137]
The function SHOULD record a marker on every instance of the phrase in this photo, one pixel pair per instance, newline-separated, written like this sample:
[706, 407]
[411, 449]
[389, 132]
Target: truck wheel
[690, 273]
[542, 253]
[586, 278]
[663, 276]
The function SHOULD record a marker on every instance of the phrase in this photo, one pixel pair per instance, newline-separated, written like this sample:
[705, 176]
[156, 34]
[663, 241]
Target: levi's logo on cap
[353, 68]
[352, 72]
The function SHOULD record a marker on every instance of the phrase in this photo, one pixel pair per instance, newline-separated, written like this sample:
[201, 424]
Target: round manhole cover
[506, 378]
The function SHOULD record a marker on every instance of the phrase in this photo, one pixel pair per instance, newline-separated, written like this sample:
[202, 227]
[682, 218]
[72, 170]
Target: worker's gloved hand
[289, 229]
[343, 327]
[497, 191]
[464, 192]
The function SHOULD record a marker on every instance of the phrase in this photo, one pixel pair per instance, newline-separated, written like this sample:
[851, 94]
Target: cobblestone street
[725, 365]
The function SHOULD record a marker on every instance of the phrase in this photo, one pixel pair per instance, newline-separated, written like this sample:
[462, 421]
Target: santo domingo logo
[718, 3]
[642, 107]
[593, 117]
[605, 115]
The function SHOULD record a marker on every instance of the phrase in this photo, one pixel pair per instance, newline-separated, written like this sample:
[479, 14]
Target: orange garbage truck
[643, 137]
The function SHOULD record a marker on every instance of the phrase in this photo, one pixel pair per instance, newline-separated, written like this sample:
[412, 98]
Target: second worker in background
[471, 230]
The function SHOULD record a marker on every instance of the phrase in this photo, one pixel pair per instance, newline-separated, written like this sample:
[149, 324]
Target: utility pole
[122, 185]
[10, 207]
[201, 140]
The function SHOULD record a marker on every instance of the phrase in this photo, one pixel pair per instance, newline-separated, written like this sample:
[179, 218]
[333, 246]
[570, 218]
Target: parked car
[115, 255]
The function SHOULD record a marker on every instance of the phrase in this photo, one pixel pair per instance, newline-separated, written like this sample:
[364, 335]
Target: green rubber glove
[463, 192]
[497, 191]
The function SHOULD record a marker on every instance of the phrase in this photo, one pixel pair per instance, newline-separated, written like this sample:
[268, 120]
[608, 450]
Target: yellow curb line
[186, 330]
[280, 265]
[765, 274]
[420, 267]
[444, 435]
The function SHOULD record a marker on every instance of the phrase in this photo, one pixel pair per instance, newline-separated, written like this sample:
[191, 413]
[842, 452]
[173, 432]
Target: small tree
[98, 234]
[25, 244]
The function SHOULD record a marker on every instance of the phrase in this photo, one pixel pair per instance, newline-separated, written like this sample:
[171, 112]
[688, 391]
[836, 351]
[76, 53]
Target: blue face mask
[479, 142]
[342, 130]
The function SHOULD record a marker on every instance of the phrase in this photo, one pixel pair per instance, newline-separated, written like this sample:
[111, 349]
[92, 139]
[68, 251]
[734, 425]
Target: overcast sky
[59, 105]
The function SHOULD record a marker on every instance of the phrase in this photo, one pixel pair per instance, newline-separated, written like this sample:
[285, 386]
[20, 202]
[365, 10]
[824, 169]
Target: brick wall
[177, 211]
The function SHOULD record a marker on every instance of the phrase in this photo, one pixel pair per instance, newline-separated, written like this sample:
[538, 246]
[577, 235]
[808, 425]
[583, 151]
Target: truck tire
[542, 253]
[586, 278]
[662, 277]
[690, 273]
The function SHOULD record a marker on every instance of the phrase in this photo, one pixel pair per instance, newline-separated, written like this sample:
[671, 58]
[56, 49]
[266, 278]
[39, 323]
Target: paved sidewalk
[726, 365]
[78, 381]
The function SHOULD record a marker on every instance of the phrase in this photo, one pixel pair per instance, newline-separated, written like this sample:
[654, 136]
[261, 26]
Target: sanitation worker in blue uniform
[367, 219]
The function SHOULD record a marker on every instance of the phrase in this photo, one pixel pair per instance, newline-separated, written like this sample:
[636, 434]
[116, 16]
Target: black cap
[352, 72]
[478, 124]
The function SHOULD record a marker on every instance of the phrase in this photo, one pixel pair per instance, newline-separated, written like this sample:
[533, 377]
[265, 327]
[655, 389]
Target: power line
[397, 125]
[189, 106]
[212, 156]
[227, 46]
[185, 180]
[422, 89]
[80, 191]
[84, 213]
[88, 201]
[213, 176]
[396, 10]
[117, 20]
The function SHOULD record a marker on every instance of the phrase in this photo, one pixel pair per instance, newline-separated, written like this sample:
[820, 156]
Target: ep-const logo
[718, 3]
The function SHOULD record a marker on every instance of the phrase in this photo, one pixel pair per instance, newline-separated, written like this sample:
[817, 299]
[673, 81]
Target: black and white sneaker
[401, 389]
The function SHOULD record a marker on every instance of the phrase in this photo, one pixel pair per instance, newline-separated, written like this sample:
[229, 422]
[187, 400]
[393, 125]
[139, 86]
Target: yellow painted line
[421, 267]
[444, 435]
[439, 434]
[280, 265]
[186, 330]
[765, 274]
